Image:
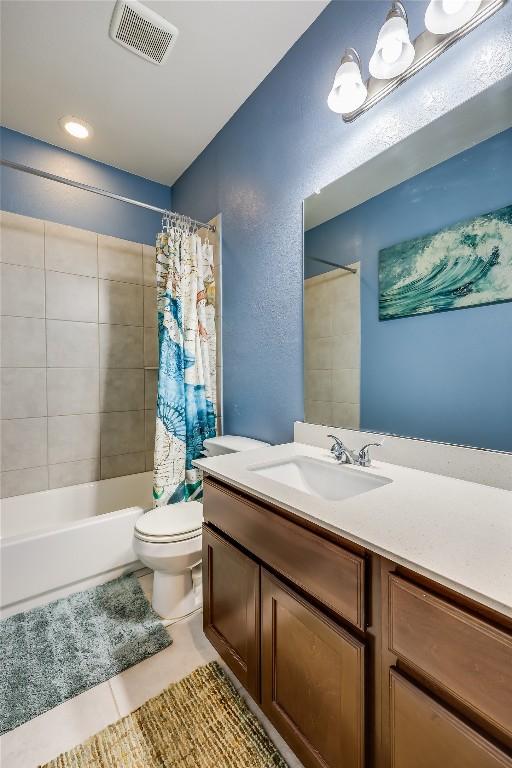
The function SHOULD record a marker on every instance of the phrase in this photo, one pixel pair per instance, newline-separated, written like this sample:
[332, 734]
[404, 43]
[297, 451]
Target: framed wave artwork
[468, 264]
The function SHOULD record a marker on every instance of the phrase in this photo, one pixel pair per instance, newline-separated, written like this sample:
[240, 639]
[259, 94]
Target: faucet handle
[364, 454]
[338, 448]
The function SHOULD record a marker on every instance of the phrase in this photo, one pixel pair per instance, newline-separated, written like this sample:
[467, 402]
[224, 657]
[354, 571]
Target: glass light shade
[348, 91]
[75, 126]
[394, 52]
[444, 16]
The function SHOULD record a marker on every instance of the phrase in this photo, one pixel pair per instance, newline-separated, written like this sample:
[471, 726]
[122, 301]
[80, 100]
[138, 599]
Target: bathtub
[63, 540]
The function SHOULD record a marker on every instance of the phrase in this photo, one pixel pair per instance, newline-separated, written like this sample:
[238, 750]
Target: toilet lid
[234, 443]
[174, 522]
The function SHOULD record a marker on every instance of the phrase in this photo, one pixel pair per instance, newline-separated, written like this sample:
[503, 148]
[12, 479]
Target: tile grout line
[116, 706]
[46, 362]
[99, 352]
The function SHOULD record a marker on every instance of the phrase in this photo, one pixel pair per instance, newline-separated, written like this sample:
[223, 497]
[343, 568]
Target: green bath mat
[54, 652]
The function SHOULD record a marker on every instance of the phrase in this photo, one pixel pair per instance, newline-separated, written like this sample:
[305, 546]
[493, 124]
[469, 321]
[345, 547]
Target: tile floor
[75, 720]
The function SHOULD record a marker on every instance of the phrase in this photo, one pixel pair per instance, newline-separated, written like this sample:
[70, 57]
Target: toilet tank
[216, 446]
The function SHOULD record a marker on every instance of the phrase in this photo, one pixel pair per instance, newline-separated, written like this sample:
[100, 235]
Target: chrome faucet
[340, 452]
[345, 456]
[363, 457]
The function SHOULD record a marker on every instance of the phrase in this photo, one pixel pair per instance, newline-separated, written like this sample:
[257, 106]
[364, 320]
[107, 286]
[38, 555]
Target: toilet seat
[171, 523]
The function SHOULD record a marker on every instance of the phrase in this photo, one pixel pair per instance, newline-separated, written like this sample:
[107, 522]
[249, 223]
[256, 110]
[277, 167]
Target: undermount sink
[332, 482]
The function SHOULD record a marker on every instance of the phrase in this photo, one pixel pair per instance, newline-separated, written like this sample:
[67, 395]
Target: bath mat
[56, 651]
[199, 722]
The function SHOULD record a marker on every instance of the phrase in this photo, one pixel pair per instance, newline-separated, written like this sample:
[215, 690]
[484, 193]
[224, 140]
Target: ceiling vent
[142, 31]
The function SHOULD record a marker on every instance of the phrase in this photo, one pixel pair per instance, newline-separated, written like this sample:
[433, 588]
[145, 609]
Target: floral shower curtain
[186, 398]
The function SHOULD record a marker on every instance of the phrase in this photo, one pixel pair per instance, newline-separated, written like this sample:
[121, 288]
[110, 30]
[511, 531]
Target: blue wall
[43, 199]
[280, 146]
[444, 376]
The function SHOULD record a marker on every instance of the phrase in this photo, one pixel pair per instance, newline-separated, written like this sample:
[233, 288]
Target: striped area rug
[199, 722]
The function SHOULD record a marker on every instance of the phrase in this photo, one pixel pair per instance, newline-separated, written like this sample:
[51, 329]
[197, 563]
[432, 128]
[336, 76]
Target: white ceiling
[58, 59]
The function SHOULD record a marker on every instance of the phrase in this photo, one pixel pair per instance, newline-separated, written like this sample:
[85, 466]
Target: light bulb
[394, 52]
[348, 91]
[445, 16]
[76, 127]
[391, 50]
[452, 6]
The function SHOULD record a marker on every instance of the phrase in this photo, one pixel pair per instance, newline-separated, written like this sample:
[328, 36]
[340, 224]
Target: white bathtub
[59, 541]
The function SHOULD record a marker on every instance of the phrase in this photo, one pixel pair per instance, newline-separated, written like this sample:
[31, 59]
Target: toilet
[168, 540]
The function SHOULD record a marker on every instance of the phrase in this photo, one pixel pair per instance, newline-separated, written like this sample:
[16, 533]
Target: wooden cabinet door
[231, 611]
[312, 685]
[424, 734]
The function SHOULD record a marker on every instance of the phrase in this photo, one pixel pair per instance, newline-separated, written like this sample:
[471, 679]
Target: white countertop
[454, 532]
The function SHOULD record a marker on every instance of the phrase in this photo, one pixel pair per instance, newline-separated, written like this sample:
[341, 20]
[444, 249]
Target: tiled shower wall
[79, 355]
[332, 348]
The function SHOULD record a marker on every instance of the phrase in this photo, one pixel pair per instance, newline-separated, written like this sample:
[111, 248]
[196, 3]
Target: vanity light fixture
[394, 52]
[75, 126]
[396, 59]
[348, 91]
[443, 16]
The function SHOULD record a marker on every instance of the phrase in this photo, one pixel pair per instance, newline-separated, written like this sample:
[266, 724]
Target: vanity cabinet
[231, 608]
[300, 646]
[425, 734]
[357, 661]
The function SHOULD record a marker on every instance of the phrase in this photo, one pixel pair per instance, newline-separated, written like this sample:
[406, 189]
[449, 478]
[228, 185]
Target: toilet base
[173, 594]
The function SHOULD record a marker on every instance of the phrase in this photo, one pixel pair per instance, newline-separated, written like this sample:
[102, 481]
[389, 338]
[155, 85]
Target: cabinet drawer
[325, 570]
[426, 735]
[467, 656]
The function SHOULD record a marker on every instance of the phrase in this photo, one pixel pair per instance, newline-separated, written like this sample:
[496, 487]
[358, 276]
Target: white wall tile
[119, 259]
[68, 249]
[23, 443]
[71, 297]
[120, 303]
[346, 351]
[23, 342]
[318, 413]
[345, 386]
[345, 415]
[150, 347]
[150, 428]
[22, 291]
[23, 393]
[19, 481]
[318, 386]
[73, 391]
[122, 432]
[73, 472]
[72, 344]
[318, 354]
[150, 388]
[149, 264]
[121, 346]
[150, 316]
[71, 438]
[125, 464]
[21, 240]
[121, 389]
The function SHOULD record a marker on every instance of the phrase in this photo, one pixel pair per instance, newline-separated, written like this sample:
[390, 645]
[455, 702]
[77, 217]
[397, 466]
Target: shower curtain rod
[98, 191]
[332, 264]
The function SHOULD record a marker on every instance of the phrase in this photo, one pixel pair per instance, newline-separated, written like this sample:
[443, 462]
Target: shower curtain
[186, 398]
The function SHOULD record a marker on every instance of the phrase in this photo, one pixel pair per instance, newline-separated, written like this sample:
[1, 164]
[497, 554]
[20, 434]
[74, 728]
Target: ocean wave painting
[465, 265]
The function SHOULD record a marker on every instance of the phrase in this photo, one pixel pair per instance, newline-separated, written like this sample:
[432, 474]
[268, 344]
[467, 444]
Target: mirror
[408, 286]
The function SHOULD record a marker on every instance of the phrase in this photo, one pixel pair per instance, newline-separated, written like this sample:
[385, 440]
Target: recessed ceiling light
[75, 126]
